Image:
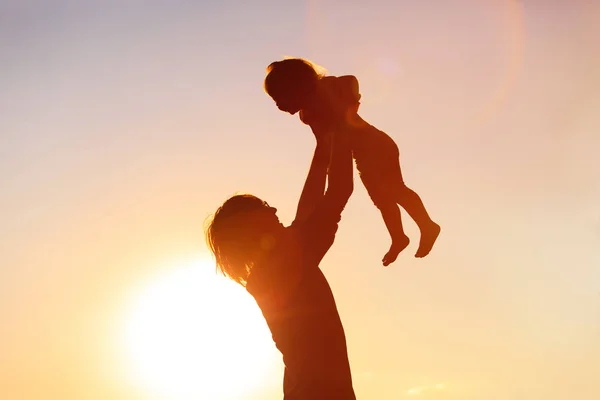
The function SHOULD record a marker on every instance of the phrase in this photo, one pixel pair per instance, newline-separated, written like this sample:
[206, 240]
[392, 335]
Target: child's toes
[427, 241]
[390, 257]
[395, 249]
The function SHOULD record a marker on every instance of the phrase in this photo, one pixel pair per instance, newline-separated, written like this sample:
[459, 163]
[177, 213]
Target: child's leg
[387, 204]
[378, 161]
[412, 203]
[393, 221]
[390, 176]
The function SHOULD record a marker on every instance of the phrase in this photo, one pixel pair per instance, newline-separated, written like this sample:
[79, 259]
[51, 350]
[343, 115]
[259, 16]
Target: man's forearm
[314, 186]
[340, 185]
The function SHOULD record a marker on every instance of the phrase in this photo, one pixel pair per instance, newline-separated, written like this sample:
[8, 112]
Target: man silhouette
[279, 266]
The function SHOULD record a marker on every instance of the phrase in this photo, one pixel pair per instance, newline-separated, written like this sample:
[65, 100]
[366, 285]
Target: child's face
[289, 104]
[291, 100]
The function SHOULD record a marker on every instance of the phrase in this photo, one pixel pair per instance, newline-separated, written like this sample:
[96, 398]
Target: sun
[192, 334]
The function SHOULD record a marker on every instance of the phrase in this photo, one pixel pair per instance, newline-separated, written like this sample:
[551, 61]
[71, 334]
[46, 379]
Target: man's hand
[324, 139]
[320, 133]
[323, 148]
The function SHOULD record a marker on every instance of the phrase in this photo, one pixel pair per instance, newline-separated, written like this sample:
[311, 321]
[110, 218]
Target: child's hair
[295, 74]
[230, 237]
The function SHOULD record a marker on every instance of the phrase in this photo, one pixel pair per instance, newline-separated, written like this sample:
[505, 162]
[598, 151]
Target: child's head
[291, 82]
[239, 232]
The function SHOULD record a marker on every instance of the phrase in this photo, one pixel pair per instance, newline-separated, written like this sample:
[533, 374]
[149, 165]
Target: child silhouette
[330, 103]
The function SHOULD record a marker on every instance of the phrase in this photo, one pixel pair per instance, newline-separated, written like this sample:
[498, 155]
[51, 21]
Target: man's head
[241, 230]
[290, 83]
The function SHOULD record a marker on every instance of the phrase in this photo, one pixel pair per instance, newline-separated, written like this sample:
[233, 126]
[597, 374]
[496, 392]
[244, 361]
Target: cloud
[419, 390]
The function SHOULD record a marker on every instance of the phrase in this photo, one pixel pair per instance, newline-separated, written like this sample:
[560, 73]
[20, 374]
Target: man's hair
[230, 239]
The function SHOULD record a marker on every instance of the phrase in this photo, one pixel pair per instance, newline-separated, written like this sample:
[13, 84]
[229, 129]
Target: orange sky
[123, 126]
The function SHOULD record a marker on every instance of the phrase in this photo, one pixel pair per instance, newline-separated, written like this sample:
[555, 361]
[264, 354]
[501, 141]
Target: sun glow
[192, 334]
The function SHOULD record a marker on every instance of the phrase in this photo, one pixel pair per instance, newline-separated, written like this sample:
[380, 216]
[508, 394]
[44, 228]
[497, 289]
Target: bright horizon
[124, 125]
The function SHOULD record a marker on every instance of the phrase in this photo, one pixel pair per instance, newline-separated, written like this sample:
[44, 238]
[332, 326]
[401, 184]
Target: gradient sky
[124, 124]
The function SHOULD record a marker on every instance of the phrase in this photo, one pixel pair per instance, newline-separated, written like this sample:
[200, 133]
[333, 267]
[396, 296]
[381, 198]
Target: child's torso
[336, 108]
[333, 105]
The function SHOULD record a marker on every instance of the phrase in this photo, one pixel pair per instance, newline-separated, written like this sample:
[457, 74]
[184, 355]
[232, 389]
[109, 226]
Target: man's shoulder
[271, 280]
[286, 247]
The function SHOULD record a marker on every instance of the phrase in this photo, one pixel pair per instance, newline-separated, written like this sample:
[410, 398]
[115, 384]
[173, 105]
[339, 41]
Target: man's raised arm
[340, 177]
[314, 186]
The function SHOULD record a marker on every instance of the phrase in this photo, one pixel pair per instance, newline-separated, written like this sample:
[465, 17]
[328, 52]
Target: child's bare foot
[397, 246]
[428, 238]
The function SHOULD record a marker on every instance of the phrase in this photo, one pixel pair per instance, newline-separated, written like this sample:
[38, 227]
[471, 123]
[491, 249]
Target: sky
[125, 124]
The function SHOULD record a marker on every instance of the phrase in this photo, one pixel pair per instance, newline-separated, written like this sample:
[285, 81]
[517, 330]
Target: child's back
[336, 101]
